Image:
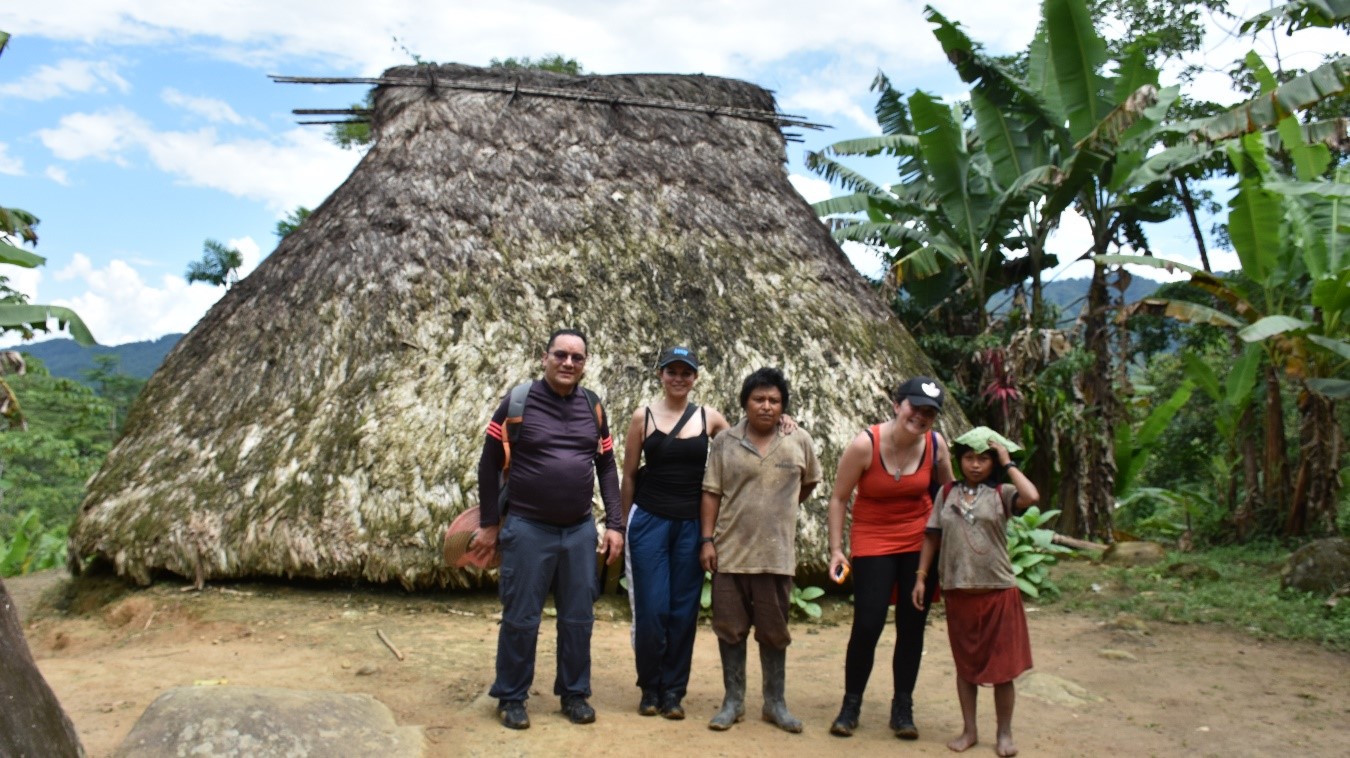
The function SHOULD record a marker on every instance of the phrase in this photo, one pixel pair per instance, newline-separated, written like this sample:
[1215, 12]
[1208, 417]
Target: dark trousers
[537, 559]
[874, 577]
[760, 600]
[665, 581]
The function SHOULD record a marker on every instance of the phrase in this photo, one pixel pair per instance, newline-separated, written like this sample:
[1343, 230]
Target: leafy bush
[31, 548]
[802, 598]
[1032, 551]
[1163, 514]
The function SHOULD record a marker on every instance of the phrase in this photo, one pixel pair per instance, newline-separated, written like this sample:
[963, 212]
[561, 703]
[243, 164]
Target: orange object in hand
[841, 573]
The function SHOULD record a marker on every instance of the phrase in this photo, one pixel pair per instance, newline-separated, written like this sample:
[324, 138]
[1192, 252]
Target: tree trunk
[31, 720]
[1251, 478]
[1184, 192]
[1312, 509]
[1276, 468]
[1097, 459]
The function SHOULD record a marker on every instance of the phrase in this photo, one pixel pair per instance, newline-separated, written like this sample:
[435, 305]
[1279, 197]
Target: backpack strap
[515, 413]
[597, 410]
[933, 474]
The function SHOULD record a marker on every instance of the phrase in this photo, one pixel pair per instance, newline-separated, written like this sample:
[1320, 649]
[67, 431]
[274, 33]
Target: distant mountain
[1070, 294]
[68, 360]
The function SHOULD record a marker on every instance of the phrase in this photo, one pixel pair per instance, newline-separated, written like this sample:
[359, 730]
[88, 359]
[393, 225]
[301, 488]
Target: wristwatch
[705, 540]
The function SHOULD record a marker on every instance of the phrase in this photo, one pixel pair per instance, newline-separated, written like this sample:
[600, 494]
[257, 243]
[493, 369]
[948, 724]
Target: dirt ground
[1120, 686]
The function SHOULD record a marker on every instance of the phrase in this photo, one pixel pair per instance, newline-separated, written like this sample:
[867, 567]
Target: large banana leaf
[1270, 326]
[1254, 226]
[948, 163]
[1299, 14]
[1266, 110]
[1181, 310]
[17, 256]
[1078, 53]
[835, 172]
[844, 204]
[35, 317]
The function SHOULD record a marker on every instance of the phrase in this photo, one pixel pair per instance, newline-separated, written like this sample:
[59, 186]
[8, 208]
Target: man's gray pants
[537, 559]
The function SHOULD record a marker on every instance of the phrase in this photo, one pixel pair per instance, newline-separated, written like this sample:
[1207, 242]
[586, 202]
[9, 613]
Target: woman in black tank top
[660, 509]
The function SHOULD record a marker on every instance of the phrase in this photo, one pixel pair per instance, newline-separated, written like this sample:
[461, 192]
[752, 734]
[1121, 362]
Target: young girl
[986, 624]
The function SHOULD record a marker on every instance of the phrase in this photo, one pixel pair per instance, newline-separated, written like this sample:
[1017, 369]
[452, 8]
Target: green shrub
[31, 547]
[1032, 551]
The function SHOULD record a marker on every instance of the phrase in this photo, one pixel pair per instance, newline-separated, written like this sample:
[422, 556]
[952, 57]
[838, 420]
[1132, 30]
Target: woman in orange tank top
[894, 467]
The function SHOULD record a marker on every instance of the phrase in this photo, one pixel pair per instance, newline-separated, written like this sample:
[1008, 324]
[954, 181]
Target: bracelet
[921, 573]
[705, 540]
[1009, 465]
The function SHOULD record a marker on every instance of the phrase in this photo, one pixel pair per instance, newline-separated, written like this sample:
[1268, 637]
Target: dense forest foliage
[1209, 411]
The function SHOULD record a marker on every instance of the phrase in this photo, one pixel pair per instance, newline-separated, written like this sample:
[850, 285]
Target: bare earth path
[1119, 688]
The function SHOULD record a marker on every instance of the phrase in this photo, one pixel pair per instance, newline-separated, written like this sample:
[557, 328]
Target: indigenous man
[755, 479]
[547, 537]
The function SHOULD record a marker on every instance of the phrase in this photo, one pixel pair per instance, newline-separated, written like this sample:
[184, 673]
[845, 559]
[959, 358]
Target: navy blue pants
[537, 559]
[665, 581]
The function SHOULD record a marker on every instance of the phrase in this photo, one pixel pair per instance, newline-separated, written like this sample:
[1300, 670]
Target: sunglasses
[561, 356]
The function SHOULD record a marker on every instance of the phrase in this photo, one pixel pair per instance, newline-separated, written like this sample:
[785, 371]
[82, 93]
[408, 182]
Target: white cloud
[66, 78]
[9, 164]
[25, 280]
[811, 188]
[296, 167]
[105, 135]
[209, 108]
[120, 306]
[58, 175]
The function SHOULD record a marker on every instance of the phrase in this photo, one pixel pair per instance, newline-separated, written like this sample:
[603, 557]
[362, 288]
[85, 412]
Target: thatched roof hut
[324, 419]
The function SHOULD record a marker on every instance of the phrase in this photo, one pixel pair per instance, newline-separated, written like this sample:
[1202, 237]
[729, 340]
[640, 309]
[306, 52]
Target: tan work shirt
[757, 521]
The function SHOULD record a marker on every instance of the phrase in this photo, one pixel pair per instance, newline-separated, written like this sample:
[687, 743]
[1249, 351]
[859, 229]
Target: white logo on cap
[930, 389]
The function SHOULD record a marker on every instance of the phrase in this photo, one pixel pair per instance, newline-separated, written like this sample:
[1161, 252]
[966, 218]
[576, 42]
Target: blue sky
[136, 129]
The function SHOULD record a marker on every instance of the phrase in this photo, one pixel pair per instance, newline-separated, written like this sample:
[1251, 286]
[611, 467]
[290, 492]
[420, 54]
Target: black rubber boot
[733, 679]
[774, 665]
[847, 720]
[902, 718]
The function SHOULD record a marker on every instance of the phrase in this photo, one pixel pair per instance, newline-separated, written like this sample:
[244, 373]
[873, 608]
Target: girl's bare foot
[1005, 746]
[965, 741]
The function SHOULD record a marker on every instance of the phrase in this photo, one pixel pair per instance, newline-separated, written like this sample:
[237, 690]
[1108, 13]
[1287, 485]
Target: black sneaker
[512, 714]
[577, 710]
[648, 705]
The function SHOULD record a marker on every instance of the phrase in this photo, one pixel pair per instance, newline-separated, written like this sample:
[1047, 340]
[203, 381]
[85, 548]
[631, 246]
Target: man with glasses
[547, 537]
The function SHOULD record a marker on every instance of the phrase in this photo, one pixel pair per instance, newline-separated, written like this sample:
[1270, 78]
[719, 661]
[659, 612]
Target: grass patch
[1235, 586]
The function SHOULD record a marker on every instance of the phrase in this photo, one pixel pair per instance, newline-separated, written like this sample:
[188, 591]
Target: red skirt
[988, 633]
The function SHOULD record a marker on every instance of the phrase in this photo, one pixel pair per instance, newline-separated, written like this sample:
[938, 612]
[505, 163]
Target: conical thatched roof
[324, 419]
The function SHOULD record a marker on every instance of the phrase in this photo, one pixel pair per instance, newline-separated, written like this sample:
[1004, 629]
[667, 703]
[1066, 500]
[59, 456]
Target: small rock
[1126, 622]
[1111, 654]
[1134, 554]
[368, 669]
[280, 637]
[1053, 690]
[346, 664]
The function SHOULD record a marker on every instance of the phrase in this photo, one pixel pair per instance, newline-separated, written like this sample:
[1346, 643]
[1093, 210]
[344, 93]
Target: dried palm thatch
[324, 419]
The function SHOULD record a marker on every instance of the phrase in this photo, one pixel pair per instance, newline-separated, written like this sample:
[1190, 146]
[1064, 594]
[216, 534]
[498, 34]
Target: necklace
[899, 458]
[967, 506]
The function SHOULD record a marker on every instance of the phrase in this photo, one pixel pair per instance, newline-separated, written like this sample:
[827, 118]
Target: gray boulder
[265, 722]
[1322, 566]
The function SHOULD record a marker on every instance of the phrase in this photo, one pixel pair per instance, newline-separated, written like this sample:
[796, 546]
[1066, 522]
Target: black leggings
[873, 579]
